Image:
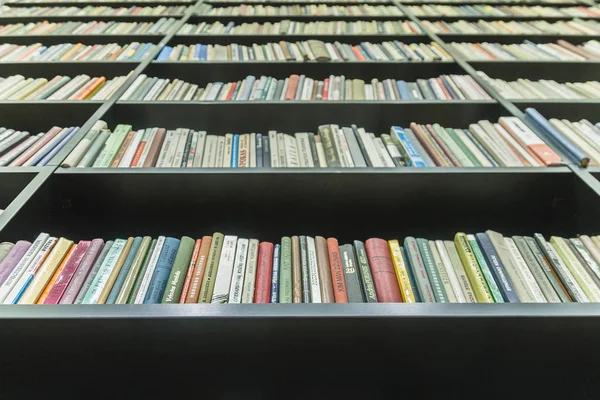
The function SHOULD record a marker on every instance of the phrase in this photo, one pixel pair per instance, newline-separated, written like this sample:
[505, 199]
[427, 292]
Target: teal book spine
[485, 269]
[160, 277]
[285, 271]
[114, 292]
[434, 278]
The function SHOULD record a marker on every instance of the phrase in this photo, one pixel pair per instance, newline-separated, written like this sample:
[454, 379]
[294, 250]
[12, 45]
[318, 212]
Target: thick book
[176, 278]
[406, 289]
[382, 270]
[162, 271]
[351, 275]
[82, 272]
[198, 276]
[365, 272]
[12, 258]
[337, 271]
[264, 270]
[210, 273]
[416, 264]
[331, 152]
[285, 271]
[220, 292]
[60, 284]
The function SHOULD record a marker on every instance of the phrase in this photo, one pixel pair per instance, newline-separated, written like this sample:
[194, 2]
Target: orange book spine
[194, 289]
[56, 275]
[69, 53]
[89, 89]
[482, 51]
[357, 53]
[337, 272]
[190, 272]
[122, 149]
[85, 53]
[444, 89]
[231, 91]
[138, 154]
[290, 94]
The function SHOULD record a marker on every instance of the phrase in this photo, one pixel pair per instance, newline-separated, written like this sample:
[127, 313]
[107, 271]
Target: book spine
[478, 283]
[224, 270]
[561, 270]
[548, 270]
[210, 273]
[531, 285]
[315, 271]
[239, 271]
[416, 264]
[459, 296]
[296, 270]
[275, 274]
[147, 278]
[176, 281]
[460, 272]
[162, 271]
[536, 270]
[200, 266]
[306, 287]
[436, 284]
[325, 280]
[337, 271]
[485, 269]
[406, 289]
[497, 269]
[382, 270]
[250, 275]
[60, 285]
[264, 272]
[365, 272]
[285, 271]
[190, 272]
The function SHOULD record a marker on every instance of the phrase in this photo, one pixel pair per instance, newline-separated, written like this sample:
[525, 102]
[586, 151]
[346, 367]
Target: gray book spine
[357, 157]
[536, 270]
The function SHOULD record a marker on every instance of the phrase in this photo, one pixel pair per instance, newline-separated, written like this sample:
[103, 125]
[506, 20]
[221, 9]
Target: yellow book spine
[43, 275]
[210, 274]
[115, 272]
[480, 288]
[586, 283]
[406, 290]
[56, 275]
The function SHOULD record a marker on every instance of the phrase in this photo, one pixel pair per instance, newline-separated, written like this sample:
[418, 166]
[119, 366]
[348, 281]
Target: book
[365, 272]
[337, 271]
[296, 259]
[250, 275]
[436, 284]
[262, 289]
[351, 274]
[222, 284]
[417, 266]
[176, 280]
[497, 269]
[210, 273]
[406, 289]
[162, 271]
[382, 271]
[285, 271]
[274, 294]
[239, 271]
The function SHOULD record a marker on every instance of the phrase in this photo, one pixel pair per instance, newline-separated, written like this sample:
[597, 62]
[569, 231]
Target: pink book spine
[82, 272]
[61, 283]
[12, 259]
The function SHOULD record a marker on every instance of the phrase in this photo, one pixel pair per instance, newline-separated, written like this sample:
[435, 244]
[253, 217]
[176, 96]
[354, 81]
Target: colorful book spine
[337, 271]
[264, 270]
[478, 283]
[181, 263]
[406, 289]
[210, 273]
[285, 271]
[275, 275]
[162, 271]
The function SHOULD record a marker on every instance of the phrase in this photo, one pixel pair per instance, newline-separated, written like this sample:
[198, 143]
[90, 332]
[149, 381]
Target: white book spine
[315, 287]
[22, 266]
[304, 153]
[252, 150]
[523, 270]
[141, 294]
[274, 149]
[239, 271]
[164, 150]
[244, 149]
[291, 151]
[183, 137]
[210, 152]
[250, 274]
[370, 148]
[93, 294]
[281, 150]
[321, 154]
[146, 150]
[224, 271]
[344, 148]
[199, 149]
[454, 282]
[135, 142]
[228, 149]
[220, 151]
[335, 130]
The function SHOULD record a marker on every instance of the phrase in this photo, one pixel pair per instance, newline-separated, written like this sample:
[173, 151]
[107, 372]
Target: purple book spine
[12, 259]
[82, 272]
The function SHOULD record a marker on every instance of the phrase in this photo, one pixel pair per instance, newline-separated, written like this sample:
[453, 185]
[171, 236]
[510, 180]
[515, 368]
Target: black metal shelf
[85, 39]
[507, 39]
[196, 18]
[70, 68]
[65, 18]
[250, 39]
[452, 18]
[572, 110]
[561, 71]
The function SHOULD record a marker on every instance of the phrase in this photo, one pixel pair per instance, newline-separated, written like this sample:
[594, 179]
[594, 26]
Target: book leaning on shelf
[528, 50]
[69, 52]
[59, 88]
[89, 10]
[159, 27]
[289, 27]
[485, 267]
[22, 149]
[303, 88]
[309, 50]
[321, 10]
[510, 143]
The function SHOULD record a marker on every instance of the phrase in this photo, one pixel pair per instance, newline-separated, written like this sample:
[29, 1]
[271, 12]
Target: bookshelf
[458, 339]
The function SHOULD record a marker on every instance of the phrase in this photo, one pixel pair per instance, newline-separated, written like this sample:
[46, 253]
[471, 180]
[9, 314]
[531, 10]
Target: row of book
[509, 143]
[309, 50]
[21, 149]
[288, 27]
[90, 10]
[376, 1]
[69, 52]
[580, 140]
[544, 89]
[96, 1]
[303, 88]
[159, 27]
[500, 27]
[528, 50]
[81, 87]
[299, 9]
[474, 10]
[473, 268]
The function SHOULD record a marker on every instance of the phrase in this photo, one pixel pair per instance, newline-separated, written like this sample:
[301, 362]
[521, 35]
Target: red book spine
[337, 272]
[191, 270]
[138, 154]
[290, 94]
[382, 269]
[357, 53]
[326, 89]
[231, 90]
[63, 280]
[264, 270]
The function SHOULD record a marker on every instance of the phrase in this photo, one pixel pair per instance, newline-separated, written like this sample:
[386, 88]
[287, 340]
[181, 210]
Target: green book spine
[46, 93]
[133, 272]
[463, 147]
[285, 271]
[101, 159]
[140, 276]
[485, 269]
[120, 133]
[179, 270]
[434, 277]
[331, 154]
[210, 274]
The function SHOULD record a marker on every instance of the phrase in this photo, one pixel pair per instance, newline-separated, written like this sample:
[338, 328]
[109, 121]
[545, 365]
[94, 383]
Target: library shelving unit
[454, 351]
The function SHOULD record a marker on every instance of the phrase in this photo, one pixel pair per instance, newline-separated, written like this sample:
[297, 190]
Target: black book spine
[313, 149]
[365, 272]
[266, 152]
[304, 269]
[186, 150]
[349, 264]
[259, 150]
[362, 146]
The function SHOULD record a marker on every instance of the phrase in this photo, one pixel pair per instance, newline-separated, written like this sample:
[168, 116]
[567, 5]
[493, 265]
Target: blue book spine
[235, 149]
[411, 276]
[57, 148]
[229, 27]
[36, 160]
[275, 278]
[403, 90]
[497, 269]
[159, 280]
[114, 292]
[556, 137]
[143, 51]
[301, 85]
[259, 150]
[415, 159]
[266, 152]
[197, 51]
[203, 52]
[368, 54]
[250, 79]
[449, 88]
[164, 53]
[401, 49]
[480, 147]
